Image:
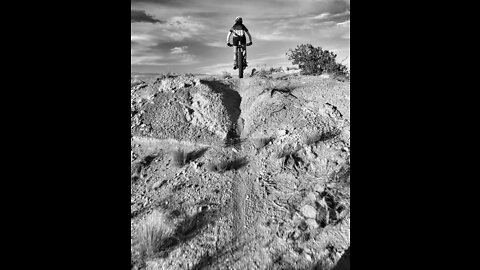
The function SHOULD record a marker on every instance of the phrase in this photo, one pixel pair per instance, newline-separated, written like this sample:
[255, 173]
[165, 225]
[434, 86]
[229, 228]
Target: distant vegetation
[315, 61]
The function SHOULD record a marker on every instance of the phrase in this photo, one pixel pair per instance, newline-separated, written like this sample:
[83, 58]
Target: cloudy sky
[190, 35]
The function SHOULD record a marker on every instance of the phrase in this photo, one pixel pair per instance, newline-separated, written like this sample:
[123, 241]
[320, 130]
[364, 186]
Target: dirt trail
[283, 200]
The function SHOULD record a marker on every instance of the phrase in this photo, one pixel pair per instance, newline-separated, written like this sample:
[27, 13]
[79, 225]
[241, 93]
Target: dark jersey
[238, 30]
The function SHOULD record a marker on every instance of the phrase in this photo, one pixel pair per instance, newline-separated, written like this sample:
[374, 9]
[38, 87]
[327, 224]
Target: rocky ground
[249, 173]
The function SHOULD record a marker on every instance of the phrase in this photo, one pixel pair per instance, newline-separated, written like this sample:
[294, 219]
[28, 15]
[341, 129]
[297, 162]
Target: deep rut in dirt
[231, 100]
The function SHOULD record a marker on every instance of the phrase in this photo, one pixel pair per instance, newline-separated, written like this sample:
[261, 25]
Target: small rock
[311, 197]
[308, 211]
[323, 203]
[312, 224]
[303, 225]
[282, 132]
[319, 188]
[156, 184]
[307, 257]
[295, 235]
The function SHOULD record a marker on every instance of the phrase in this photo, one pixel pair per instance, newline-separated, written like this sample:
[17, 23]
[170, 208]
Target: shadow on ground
[231, 99]
[228, 165]
[344, 262]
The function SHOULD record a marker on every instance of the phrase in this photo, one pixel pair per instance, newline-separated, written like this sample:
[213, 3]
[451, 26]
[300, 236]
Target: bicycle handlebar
[240, 45]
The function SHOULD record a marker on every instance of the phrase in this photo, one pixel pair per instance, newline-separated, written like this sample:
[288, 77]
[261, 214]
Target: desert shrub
[315, 60]
[153, 232]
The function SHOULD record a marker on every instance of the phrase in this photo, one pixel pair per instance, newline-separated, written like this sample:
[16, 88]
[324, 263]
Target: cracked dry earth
[264, 178]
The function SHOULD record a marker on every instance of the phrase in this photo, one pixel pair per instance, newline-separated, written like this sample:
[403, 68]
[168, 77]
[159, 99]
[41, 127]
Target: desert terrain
[230, 173]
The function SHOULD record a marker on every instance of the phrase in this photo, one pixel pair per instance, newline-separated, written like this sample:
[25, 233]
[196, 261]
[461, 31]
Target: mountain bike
[239, 52]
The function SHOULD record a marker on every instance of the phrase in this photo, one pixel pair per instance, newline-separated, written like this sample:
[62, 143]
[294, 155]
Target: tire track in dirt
[239, 196]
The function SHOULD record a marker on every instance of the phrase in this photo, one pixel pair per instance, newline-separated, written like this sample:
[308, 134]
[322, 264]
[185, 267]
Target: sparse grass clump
[226, 75]
[264, 72]
[139, 165]
[152, 233]
[181, 158]
[289, 155]
[283, 152]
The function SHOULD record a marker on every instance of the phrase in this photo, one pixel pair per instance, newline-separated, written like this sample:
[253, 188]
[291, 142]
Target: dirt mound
[184, 108]
[251, 173]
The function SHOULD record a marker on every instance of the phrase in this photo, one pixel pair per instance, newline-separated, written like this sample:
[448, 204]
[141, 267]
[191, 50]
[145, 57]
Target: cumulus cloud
[142, 16]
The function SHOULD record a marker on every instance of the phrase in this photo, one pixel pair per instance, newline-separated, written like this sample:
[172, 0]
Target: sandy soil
[266, 183]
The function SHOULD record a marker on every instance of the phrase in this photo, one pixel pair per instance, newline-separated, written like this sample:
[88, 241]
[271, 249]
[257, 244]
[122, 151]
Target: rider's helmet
[238, 19]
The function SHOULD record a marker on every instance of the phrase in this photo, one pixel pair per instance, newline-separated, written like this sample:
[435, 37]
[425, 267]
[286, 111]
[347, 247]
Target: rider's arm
[249, 36]
[228, 36]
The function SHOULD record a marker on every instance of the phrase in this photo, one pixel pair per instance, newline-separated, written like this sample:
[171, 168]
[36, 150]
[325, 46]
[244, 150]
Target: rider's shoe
[235, 65]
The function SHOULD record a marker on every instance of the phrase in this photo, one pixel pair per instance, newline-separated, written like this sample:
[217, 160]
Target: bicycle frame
[239, 52]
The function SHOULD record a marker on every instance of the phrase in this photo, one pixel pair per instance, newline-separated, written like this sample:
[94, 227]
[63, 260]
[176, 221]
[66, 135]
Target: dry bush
[153, 232]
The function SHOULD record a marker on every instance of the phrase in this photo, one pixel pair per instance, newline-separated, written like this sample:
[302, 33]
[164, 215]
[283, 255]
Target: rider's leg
[234, 56]
[245, 54]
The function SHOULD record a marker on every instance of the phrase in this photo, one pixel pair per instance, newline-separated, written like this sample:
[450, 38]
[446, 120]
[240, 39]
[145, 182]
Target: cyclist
[238, 31]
